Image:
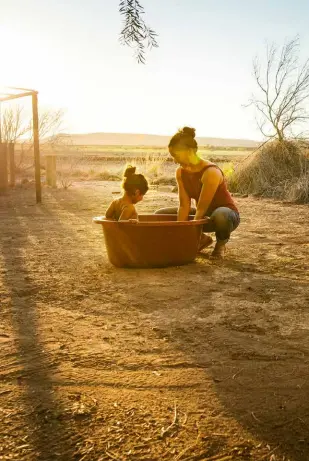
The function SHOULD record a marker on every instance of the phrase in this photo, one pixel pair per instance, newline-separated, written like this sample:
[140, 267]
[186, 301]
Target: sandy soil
[202, 362]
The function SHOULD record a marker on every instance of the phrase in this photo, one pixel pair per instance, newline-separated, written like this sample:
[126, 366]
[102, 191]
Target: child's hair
[133, 182]
[184, 138]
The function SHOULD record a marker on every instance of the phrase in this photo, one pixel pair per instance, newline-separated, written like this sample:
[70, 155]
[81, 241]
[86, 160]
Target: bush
[228, 169]
[165, 181]
[278, 170]
[80, 174]
[298, 190]
[66, 167]
[104, 176]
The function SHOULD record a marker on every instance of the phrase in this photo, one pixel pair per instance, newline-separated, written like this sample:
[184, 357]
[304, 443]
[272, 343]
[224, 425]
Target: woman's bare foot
[205, 242]
[219, 250]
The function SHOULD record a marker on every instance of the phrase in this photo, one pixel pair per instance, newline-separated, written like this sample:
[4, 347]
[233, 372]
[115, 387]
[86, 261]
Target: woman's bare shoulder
[178, 172]
[212, 172]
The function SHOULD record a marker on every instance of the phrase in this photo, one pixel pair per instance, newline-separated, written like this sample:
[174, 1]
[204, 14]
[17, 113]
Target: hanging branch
[135, 33]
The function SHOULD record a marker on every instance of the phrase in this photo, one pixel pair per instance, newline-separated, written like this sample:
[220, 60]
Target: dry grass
[298, 191]
[155, 167]
[165, 181]
[278, 170]
[71, 168]
[104, 163]
[107, 163]
[151, 165]
[66, 168]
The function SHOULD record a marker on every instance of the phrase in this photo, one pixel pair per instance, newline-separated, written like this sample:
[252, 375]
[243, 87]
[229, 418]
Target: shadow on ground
[257, 342]
[46, 433]
[247, 330]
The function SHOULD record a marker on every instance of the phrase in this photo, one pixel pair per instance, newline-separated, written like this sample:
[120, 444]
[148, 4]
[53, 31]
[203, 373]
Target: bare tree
[50, 132]
[50, 126]
[13, 124]
[17, 128]
[136, 33]
[283, 91]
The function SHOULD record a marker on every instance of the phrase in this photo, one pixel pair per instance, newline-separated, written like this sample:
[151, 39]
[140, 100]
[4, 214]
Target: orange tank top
[193, 185]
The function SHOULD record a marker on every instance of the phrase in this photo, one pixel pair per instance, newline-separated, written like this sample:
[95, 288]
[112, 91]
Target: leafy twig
[135, 32]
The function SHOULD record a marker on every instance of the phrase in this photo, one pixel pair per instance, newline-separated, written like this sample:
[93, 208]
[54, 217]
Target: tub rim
[198, 222]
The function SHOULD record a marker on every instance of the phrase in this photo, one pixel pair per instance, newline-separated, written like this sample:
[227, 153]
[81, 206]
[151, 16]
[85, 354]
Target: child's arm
[128, 212]
[110, 211]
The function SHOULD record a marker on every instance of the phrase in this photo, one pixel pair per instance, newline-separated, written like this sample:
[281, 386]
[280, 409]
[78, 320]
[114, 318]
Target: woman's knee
[224, 221]
[221, 217]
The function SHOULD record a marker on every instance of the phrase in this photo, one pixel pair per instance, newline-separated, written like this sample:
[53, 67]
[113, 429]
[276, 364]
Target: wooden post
[54, 181]
[11, 151]
[48, 169]
[3, 168]
[36, 148]
[51, 170]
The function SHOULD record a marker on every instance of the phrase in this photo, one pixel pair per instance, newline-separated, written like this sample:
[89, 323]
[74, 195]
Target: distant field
[90, 162]
[94, 148]
[119, 153]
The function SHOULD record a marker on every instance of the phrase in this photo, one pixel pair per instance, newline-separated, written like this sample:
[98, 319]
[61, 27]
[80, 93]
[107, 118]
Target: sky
[201, 74]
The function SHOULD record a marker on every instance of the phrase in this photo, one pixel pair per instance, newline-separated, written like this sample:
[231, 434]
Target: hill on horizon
[128, 139]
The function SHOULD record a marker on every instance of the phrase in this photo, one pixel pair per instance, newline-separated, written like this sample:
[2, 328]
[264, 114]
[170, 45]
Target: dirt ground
[208, 361]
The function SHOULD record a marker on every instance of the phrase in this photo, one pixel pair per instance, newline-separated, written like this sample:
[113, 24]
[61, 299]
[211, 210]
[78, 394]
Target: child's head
[135, 185]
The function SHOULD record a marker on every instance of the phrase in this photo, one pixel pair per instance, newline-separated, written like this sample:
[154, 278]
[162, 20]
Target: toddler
[135, 187]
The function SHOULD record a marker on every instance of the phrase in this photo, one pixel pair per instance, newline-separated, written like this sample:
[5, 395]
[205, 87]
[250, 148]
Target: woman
[204, 182]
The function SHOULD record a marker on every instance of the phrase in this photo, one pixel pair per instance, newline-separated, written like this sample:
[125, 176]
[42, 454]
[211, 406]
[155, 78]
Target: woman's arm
[211, 180]
[184, 199]
[128, 212]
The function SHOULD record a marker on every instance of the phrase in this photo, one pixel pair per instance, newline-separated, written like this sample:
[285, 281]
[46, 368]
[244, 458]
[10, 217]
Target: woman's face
[180, 156]
[185, 157]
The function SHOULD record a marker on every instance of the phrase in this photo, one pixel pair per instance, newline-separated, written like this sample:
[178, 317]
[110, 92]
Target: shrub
[105, 176]
[298, 190]
[165, 181]
[66, 168]
[228, 169]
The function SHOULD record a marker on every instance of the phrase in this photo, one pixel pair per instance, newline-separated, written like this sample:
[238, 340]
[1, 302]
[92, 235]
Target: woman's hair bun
[185, 137]
[130, 171]
[189, 131]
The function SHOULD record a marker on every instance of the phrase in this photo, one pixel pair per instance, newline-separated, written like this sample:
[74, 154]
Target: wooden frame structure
[21, 93]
